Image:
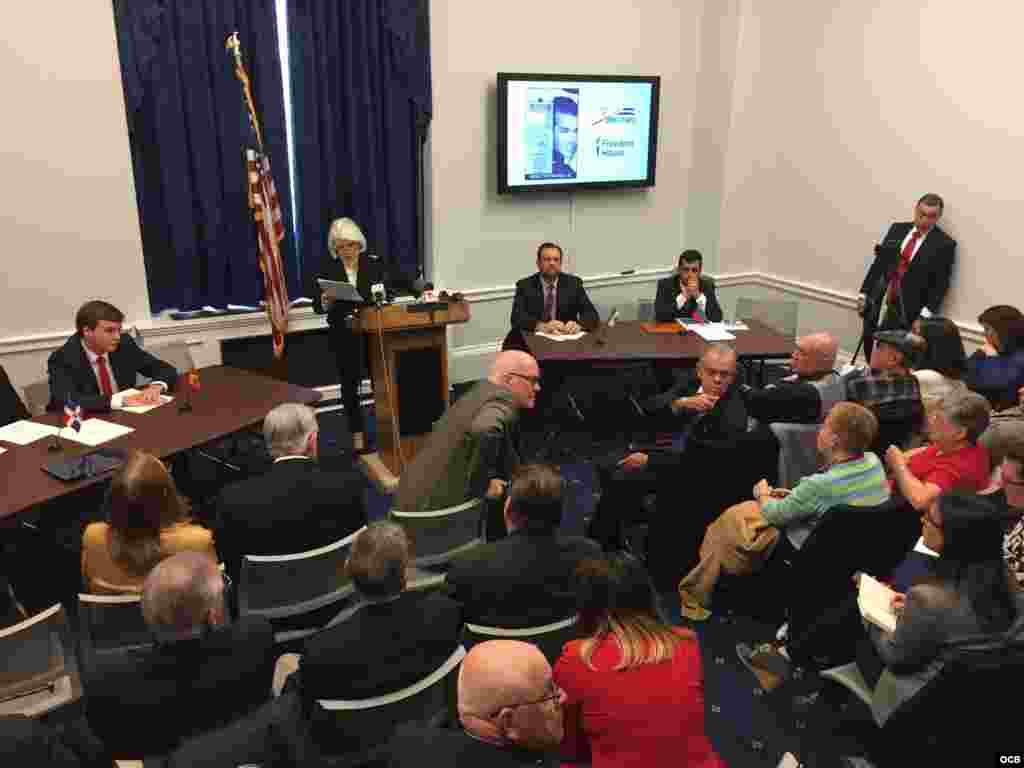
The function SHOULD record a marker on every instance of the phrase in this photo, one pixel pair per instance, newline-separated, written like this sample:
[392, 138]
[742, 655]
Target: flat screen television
[576, 131]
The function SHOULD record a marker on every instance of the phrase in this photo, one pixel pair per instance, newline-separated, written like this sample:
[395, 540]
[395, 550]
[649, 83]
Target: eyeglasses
[534, 380]
[554, 694]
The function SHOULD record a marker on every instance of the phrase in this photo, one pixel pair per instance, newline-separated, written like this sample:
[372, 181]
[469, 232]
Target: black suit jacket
[146, 703]
[370, 271]
[11, 407]
[572, 303]
[72, 378]
[665, 309]
[524, 580]
[294, 507]
[924, 284]
[415, 745]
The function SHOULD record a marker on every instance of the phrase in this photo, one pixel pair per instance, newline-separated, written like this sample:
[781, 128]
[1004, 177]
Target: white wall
[846, 111]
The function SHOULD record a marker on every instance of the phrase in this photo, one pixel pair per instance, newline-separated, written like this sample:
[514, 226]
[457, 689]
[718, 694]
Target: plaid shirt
[872, 391]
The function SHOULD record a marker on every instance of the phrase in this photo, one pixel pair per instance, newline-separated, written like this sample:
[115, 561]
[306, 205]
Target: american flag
[270, 230]
[73, 416]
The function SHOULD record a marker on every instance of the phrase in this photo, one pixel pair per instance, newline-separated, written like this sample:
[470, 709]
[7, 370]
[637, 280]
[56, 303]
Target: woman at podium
[348, 263]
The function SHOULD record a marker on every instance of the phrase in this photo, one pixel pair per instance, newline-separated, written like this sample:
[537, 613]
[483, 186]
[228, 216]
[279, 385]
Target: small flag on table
[73, 416]
[192, 379]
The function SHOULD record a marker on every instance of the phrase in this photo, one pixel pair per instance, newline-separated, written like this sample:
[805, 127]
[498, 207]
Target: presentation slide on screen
[577, 132]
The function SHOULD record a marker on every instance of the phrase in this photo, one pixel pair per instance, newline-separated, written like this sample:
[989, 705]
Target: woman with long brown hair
[634, 685]
[148, 520]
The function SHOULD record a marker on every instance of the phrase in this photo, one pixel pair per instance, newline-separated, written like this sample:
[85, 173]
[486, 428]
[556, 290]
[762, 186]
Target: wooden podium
[408, 349]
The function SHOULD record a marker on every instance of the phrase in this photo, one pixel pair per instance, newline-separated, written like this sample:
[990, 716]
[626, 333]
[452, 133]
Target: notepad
[875, 602]
[710, 331]
[24, 432]
[97, 431]
[142, 408]
[562, 336]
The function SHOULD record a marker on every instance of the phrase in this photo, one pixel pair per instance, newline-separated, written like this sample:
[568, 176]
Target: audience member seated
[704, 406]
[744, 536]
[550, 300]
[395, 639]
[27, 742]
[474, 448]
[797, 398]
[968, 601]
[634, 687]
[940, 369]
[510, 710]
[11, 406]
[296, 506]
[147, 521]
[953, 461]
[1008, 499]
[889, 390]
[1005, 422]
[201, 674]
[687, 295]
[997, 369]
[98, 362]
[527, 579]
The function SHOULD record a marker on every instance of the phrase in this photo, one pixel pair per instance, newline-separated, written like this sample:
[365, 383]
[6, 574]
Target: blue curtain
[362, 102]
[188, 130]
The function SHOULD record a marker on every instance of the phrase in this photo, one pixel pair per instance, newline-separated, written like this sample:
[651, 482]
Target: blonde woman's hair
[615, 598]
[143, 502]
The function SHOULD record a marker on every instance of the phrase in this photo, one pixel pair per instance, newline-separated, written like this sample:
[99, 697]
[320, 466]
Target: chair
[351, 725]
[780, 316]
[645, 310]
[934, 725]
[37, 396]
[549, 638]
[439, 537]
[110, 624]
[176, 353]
[40, 672]
[292, 590]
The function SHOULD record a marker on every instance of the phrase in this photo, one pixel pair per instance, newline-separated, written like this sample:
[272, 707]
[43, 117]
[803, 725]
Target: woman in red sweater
[634, 685]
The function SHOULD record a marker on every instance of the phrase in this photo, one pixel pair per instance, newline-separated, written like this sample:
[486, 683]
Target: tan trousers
[738, 542]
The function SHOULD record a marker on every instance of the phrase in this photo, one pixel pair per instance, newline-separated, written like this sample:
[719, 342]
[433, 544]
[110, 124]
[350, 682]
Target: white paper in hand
[142, 408]
[875, 602]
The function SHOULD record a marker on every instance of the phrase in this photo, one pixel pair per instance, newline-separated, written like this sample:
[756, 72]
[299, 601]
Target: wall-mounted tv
[576, 131]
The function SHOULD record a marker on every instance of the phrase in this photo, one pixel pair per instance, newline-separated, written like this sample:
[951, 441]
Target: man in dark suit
[11, 406]
[510, 710]
[687, 295]
[98, 361]
[550, 300]
[200, 675]
[797, 398]
[527, 579]
[393, 641]
[910, 274]
[703, 406]
[296, 506]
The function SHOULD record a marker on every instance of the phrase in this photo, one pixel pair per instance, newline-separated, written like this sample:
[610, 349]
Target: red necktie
[549, 305]
[106, 387]
[897, 276]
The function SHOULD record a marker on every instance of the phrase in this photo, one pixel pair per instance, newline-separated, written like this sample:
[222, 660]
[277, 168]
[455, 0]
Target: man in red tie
[98, 362]
[910, 275]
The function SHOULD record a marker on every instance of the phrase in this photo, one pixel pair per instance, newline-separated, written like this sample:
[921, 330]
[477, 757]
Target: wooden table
[230, 399]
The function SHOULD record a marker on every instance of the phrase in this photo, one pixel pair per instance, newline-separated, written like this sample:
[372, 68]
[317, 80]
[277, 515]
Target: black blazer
[383, 648]
[727, 419]
[294, 507]
[11, 407]
[665, 309]
[370, 271]
[572, 303]
[146, 703]
[924, 284]
[72, 378]
[524, 580]
[415, 745]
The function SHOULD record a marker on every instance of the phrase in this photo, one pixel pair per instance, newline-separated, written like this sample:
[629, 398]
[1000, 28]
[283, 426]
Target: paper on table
[739, 325]
[711, 331]
[142, 408]
[875, 602]
[96, 431]
[3, 450]
[25, 432]
[562, 336]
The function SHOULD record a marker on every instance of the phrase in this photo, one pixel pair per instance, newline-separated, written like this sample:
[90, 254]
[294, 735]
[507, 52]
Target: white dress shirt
[117, 399]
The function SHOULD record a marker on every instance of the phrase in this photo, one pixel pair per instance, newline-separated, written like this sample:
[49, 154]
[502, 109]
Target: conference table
[229, 400]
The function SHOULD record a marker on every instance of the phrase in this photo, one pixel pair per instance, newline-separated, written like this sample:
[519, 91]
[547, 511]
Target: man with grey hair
[296, 506]
[395, 639]
[201, 673]
[474, 448]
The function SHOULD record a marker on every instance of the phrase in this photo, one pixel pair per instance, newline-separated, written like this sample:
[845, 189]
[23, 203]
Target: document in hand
[875, 602]
[340, 291]
[143, 408]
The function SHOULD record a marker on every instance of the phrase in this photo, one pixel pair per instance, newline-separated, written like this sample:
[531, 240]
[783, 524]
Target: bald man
[474, 448]
[510, 711]
[797, 398]
[200, 674]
